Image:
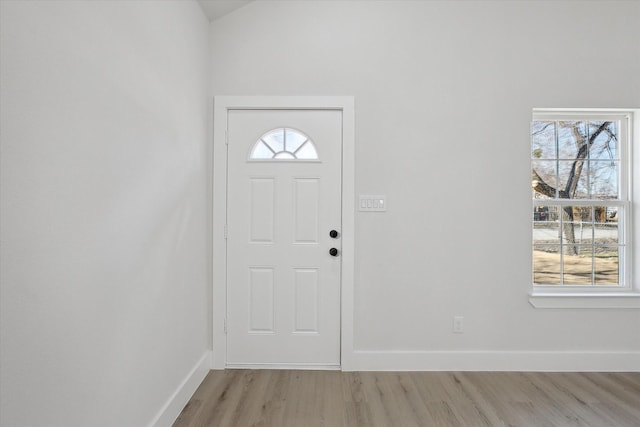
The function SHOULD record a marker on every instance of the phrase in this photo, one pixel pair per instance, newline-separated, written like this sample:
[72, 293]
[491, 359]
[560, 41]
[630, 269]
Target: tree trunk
[569, 232]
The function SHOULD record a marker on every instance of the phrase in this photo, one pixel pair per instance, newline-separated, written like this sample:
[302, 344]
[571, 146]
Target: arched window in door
[284, 144]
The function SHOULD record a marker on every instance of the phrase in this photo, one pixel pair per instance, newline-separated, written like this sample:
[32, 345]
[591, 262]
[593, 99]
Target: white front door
[283, 245]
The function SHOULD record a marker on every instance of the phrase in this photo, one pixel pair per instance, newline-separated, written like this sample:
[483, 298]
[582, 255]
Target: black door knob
[333, 234]
[333, 252]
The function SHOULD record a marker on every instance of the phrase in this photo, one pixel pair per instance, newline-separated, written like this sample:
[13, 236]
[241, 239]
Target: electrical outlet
[458, 324]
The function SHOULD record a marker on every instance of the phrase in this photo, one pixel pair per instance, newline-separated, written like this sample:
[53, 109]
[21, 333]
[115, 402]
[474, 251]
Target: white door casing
[282, 298]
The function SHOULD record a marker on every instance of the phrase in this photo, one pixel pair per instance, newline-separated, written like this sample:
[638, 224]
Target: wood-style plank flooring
[283, 398]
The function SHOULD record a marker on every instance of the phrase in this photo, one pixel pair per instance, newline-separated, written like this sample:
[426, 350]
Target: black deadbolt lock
[333, 234]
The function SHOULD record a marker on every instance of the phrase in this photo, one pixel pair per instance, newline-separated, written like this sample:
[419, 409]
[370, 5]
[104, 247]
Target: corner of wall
[181, 396]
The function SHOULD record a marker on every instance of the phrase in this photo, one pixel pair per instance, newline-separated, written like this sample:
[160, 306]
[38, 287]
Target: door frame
[221, 108]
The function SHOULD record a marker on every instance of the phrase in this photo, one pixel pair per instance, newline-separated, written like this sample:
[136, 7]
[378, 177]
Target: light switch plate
[372, 203]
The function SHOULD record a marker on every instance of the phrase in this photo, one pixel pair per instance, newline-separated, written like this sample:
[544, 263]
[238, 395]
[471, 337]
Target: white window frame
[628, 294]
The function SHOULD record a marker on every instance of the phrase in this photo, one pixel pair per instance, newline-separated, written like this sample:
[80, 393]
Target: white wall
[444, 94]
[105, 116]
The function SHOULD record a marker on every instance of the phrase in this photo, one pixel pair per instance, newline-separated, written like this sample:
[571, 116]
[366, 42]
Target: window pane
[307, 151]
[578, 269]
[577, 228]
[546, 264]
[284, 155]
[546, 170]
[582, 226]
[275, 140]
[582, 189]
[571, 136]
[605, 145]
[604, 179]
[606, 226]
[612, 213]
[607, 269]
[578, 177]
[543, 140]
[261, 151]
[546, 225]
[294, 139]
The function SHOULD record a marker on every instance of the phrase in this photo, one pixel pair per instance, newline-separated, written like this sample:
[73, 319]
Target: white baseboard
[293, 366]
[547, 361]
[172, 408]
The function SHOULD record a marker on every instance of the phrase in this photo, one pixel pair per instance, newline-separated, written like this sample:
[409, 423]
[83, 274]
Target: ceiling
[215, 9]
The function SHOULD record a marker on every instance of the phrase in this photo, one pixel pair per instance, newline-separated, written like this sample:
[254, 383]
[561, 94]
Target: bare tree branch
[540, 186]
[543, 129]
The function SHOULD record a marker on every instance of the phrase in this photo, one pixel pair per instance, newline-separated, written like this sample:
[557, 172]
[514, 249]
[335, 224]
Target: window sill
[591, 300]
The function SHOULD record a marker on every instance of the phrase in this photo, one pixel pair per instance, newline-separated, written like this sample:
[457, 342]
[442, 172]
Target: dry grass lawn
[577, 269]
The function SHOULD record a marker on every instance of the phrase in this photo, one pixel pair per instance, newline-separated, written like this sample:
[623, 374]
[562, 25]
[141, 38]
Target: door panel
[261, 300]
[262, 210]
[306, 300]
[305, 210]
[283, 286]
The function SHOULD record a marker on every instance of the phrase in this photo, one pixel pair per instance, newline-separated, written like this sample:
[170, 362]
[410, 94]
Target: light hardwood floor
[282, 398]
